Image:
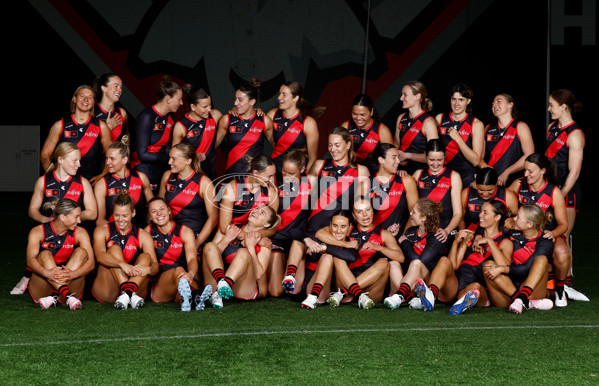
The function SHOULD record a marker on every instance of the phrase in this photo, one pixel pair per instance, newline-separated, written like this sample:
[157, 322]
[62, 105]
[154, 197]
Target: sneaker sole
[288, 286]
[390, 306]
[139, 304]
[225, 292]
[421, 293]
[333, 302]
[185, 292]
[469, 300]
[369, 304]
[201, 299]
[120, 306]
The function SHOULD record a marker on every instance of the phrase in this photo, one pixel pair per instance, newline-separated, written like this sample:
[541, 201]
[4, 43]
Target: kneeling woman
[370, 271]
[126, 258]
[235, 262]
[460, 274]
[522, 283]
[60, 255]
[421, 248]
[176, 252]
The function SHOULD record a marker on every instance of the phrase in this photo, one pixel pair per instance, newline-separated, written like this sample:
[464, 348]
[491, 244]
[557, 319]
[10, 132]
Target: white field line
[294, 332]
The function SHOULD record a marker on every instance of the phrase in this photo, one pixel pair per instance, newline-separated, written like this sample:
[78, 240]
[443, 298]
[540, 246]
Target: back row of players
[291, 217]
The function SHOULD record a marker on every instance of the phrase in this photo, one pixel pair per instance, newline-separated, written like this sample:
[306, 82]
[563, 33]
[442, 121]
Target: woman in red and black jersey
[120, 178]
[126, 258]
[189, 193]
[108, 89]
[198, 127]
[294, 125]
[60, 255]
[507, 142]
[83, 129]
[367, 130]
[521, 280]
[463, 134]
[153, 130]
[243, 134]
[414, 127]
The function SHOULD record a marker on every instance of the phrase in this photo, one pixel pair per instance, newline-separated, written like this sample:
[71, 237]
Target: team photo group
[439, 209]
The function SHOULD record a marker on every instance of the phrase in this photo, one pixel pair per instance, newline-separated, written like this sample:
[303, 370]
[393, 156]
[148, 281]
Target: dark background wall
[494, 46]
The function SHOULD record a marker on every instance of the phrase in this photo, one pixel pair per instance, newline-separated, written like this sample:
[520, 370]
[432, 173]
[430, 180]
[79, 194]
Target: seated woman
[460, 275]
[521, 282]
[365, 278]
[235, 262]
[421, 248]
[126, 258]
[60, 255]
[176, 253]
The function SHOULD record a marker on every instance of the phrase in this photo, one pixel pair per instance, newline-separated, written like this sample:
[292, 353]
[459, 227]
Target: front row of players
[489, 265]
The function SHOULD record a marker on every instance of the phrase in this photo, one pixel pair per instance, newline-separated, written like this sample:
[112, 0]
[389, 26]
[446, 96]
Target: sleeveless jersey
[543, 198]
[116, 134]
[454, 158]
[54, 189]
[87, 137]
[336, 190]
[411, 136]
[184, 199]
[129, 242]
[524, 248]
[60, 246]
[294, 204]
[244, 137]
[364, 140]
[503, 147]
[201, 134]
[288, 135]
[425, 248]
[474, 204]
[388, 201]
[557, 147]
[231, 250]
[114, 185]
[476, 258]
[169, 247]
[366, 258]
[246, 201]
[437, 188]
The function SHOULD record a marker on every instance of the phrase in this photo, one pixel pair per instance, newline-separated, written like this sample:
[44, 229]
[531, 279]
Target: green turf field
[276, 342]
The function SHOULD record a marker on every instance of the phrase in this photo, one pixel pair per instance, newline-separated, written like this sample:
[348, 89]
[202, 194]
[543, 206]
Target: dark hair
[487, 176]
[365, 100]
[155, 199]
[102, 80]
[510, 99]
[499, 208]
[465, 91]
[298, 156]
[305, 107]
[543, 162]
[431, 210]
[193, 94]
[566, 97]
[344, 133]
[124, 199]
[380, 150]
[258, 163]
[419, 88]
[434, 144]
[166, 87]
[251, 89]
[344, 213]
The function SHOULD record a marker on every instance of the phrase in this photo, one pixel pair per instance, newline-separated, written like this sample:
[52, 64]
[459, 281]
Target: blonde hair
[73, 105]
[419, 88]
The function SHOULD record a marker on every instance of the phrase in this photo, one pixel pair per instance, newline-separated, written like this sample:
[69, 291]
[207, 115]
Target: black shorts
[573, 199]
[468, 274]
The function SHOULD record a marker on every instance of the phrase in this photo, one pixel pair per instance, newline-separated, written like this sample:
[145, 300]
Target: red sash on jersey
[503, 144]
[250, 138]
[522, 254]
[88, 139]
[441, 188]
[557, 144]
[298, 204]
[166, 135]
[184, 197]
[288, 137]
[335, 190]
[390, 202]
[452, 147]
[411, 133]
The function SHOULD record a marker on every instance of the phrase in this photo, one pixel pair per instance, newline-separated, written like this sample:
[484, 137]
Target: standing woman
[108, 89]
[463, 135]
[243, 134]
[198, 127]
[565, 145]
[538, 187]
[60, 255]
[485, 190]
[366, 129]
[126, 258]
[508, 142]
[421, 248]
[120, 178]
[442, 185]
[176, 253]
[414, 127]
[294, 125]
[521, 282]
[83, 129]
[153, 132]
[189, 193]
